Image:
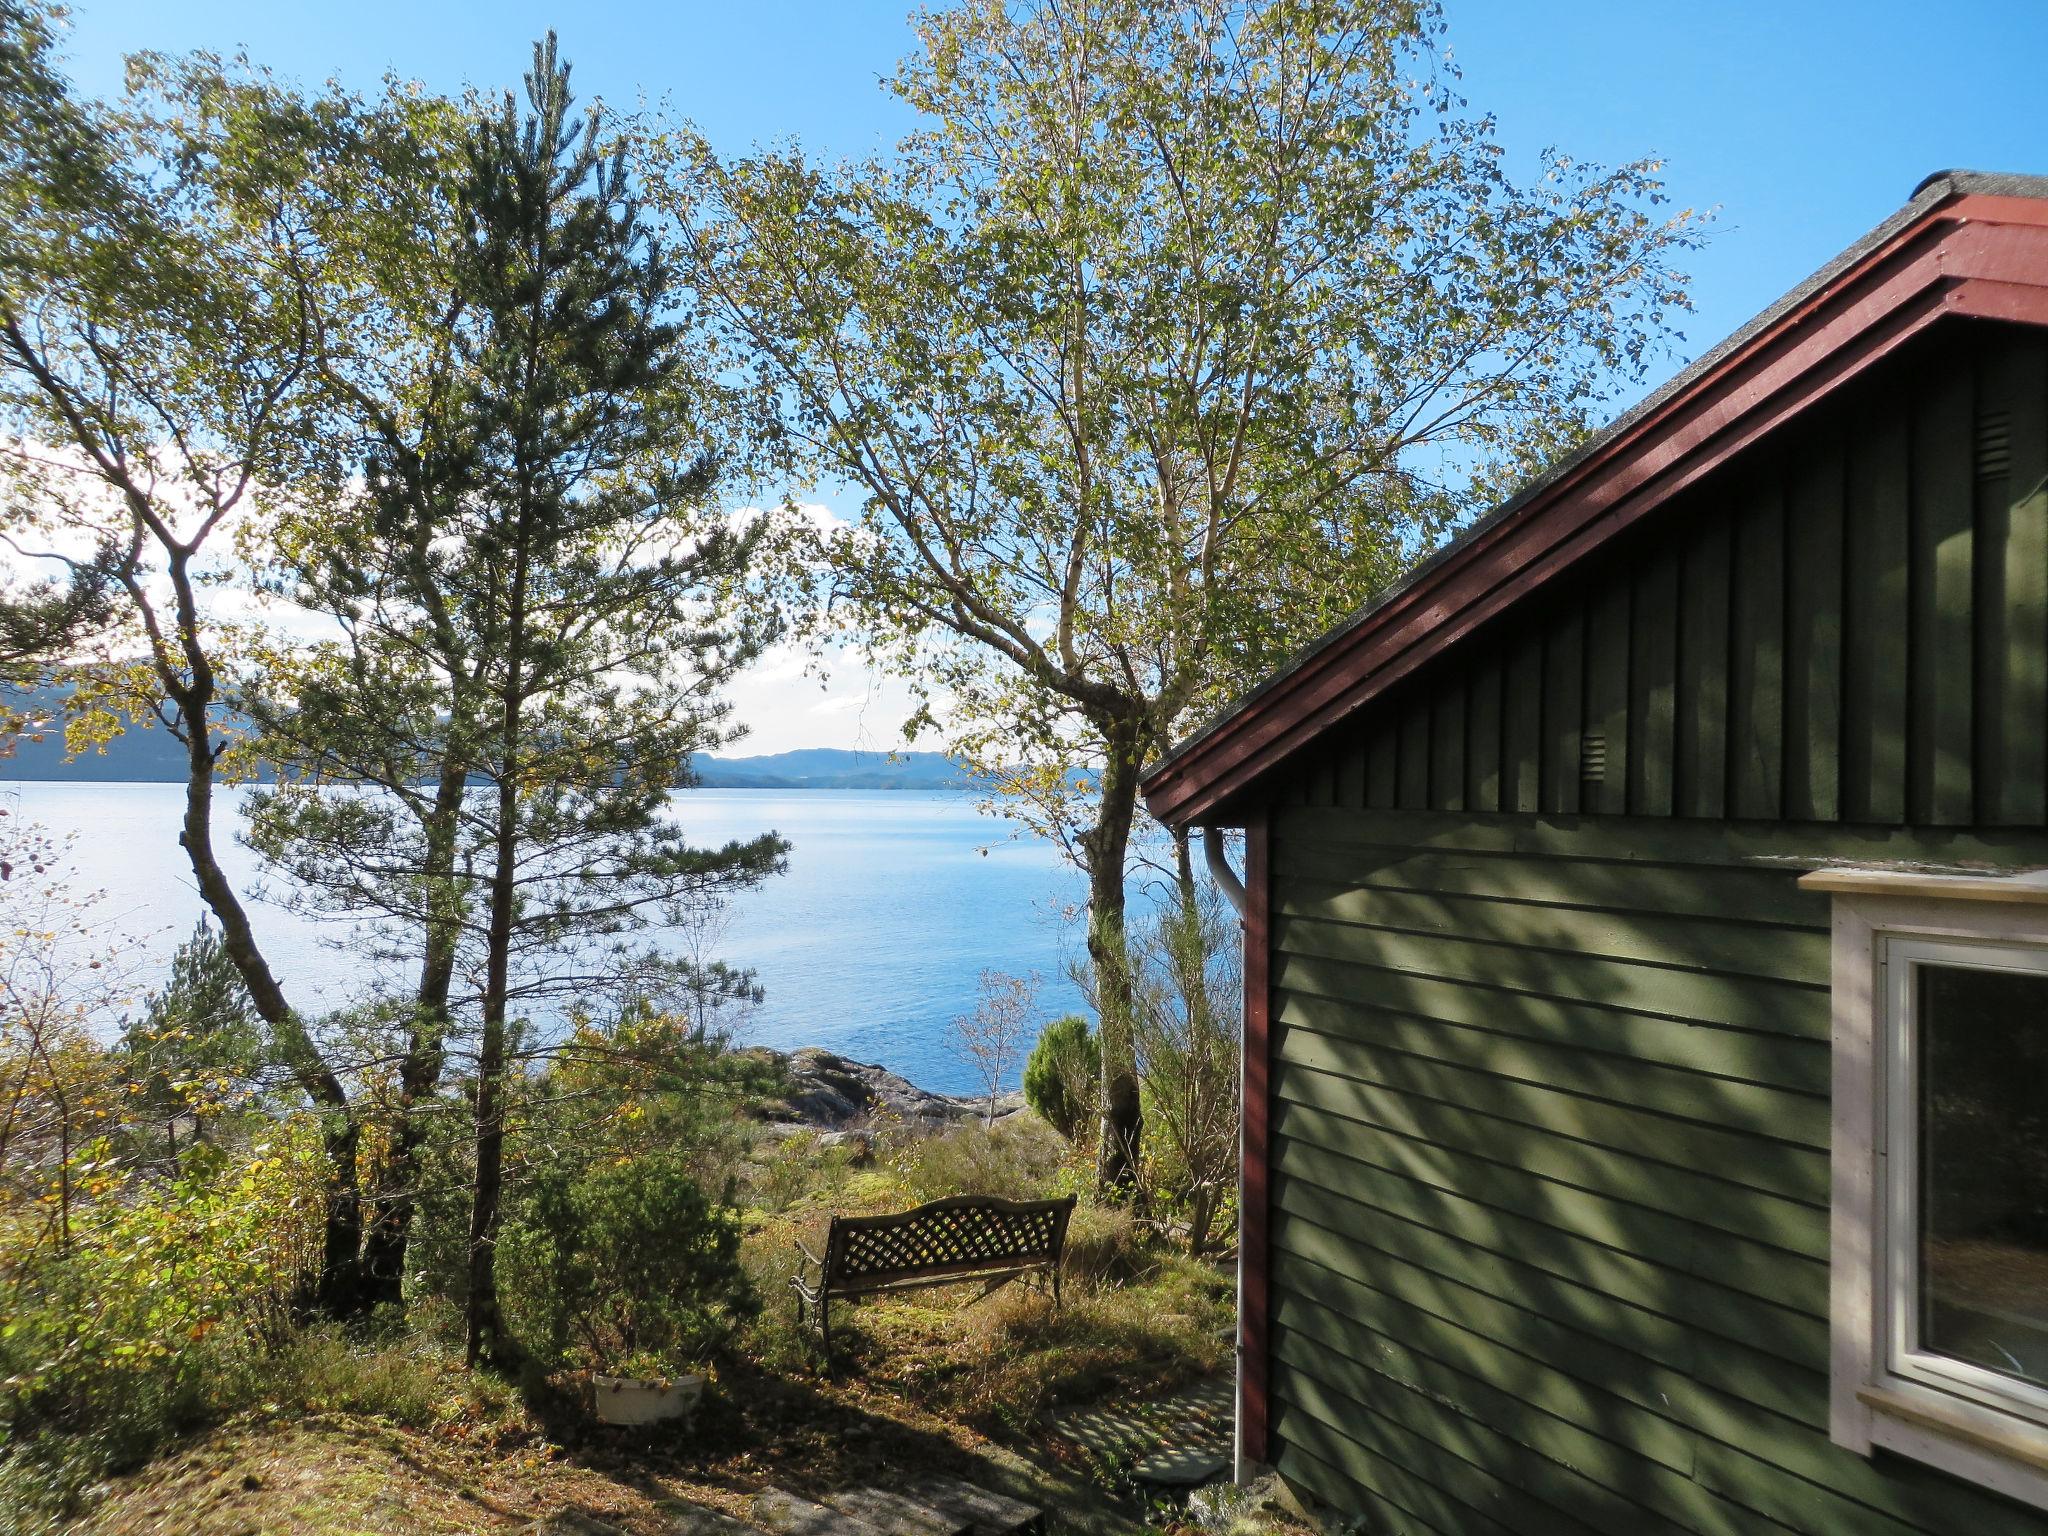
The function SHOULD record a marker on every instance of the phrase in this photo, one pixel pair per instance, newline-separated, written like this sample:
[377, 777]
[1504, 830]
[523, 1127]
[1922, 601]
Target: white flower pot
[640, 1400]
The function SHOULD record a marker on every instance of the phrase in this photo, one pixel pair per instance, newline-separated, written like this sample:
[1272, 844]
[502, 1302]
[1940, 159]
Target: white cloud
[786, 704]
[793, 697]
[820, 517]
[789, 698]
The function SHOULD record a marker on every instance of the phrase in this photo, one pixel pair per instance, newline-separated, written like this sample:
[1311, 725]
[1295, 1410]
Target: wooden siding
[1850, 624]
[1548, 1234]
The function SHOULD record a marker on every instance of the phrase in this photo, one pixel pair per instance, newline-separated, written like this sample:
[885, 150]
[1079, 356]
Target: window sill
[1977, 1444]
[2027, 889]
[1873, 1408]
[1983, 1428]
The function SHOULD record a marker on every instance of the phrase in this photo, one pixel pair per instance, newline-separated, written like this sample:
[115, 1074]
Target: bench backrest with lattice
[958, 1238]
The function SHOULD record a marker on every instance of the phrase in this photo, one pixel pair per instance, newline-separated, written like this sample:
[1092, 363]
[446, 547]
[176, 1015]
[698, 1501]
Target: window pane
[1984, 1168]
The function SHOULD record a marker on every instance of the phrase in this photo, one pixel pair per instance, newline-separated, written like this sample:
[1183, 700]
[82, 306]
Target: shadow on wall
[1551, 1185]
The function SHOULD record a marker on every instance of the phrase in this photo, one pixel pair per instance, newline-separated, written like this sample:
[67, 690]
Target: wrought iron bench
[963, 1237]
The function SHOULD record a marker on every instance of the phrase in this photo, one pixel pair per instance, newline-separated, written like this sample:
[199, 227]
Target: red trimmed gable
[1966, 246]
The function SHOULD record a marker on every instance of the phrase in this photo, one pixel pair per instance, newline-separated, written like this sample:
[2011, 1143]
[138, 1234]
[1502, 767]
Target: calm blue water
[871, 945]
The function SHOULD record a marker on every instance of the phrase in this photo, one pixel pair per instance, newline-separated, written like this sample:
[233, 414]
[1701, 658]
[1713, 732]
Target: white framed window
[1939, 1235]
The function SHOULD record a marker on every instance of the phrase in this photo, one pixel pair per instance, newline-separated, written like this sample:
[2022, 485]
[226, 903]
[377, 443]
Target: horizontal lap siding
[1848, 625]
[1549, 1172]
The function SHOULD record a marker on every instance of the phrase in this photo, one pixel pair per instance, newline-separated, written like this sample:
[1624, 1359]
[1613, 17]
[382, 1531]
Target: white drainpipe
[1219, 869]
[1232, 887]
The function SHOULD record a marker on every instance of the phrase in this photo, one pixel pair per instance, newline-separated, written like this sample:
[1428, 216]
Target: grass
[334, 1436]
[1007, 1364]
[1139, 1316]
[394, 1459]
[323, 1476]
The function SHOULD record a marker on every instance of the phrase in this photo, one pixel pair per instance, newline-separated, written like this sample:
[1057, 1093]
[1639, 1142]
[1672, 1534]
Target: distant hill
[152, 756]
[832, 768]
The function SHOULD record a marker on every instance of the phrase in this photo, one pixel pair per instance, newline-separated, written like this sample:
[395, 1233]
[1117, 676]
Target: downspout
[1244, 1468]
[1220, 871]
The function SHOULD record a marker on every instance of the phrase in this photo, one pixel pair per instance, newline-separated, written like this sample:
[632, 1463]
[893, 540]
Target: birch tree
[152, 356]
[1174, 333]
[990, 1040]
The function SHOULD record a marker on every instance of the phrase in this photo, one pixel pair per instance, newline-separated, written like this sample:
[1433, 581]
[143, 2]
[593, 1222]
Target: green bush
[795, 1170]
[198, 1049]
[1017, 1159]
[1060, 1078]
[623, 1264]
[158, 1308]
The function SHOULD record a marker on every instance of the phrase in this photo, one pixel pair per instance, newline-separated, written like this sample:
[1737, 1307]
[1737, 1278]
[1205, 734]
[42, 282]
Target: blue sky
[1801, 122]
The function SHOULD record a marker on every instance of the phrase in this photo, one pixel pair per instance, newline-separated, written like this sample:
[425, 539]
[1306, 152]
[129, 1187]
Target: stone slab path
[925, 1505]
[1181, 1440]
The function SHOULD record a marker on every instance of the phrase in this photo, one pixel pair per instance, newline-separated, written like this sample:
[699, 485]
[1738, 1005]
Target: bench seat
[957, 1239]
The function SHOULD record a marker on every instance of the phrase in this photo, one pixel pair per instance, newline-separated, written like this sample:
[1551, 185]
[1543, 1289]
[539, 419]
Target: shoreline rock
[846, 1100]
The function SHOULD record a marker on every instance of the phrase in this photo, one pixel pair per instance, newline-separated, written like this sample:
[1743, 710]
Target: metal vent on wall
[1593, 756]
[1994, 444]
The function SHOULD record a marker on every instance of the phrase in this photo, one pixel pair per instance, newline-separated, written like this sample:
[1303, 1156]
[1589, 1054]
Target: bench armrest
[804, 1249]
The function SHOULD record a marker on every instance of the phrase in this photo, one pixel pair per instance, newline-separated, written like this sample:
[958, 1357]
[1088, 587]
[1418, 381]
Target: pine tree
[539, 607]
[589, 575]
[198, 1045]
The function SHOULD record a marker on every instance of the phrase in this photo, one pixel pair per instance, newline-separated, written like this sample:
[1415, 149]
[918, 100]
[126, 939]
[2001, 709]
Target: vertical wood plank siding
[1547, 1016]
[1850, 626]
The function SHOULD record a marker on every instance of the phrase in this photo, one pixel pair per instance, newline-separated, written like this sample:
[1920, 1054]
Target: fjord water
[870, 945]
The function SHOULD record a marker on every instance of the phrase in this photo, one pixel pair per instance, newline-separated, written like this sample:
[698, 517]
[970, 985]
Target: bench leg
[825, 1328]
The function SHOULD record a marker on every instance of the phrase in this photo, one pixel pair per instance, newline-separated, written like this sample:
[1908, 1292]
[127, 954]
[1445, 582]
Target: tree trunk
[338, 1291]
[487, 1340]
[1201, 1213]
[486, 1328]
[1184, 868]
[1106, 845]
[426, 1053]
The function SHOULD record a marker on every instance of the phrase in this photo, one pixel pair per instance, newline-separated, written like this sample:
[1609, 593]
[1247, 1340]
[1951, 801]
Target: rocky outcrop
[828, 1093]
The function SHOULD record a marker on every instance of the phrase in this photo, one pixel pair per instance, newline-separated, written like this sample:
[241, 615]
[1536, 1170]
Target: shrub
[623, 1264]
[142, 1277]
[1106, 1246]
[795, 1170]
[196, 1053]
[437, 1251]
[1061, 1078]
[415, 1377]
[988, 1039]
[773, 1339]
[1185, 975]
[154, 1309]
[1015, 1159]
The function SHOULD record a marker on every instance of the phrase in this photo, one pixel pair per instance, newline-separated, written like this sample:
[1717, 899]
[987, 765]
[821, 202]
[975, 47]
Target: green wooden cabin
[1647, 960]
